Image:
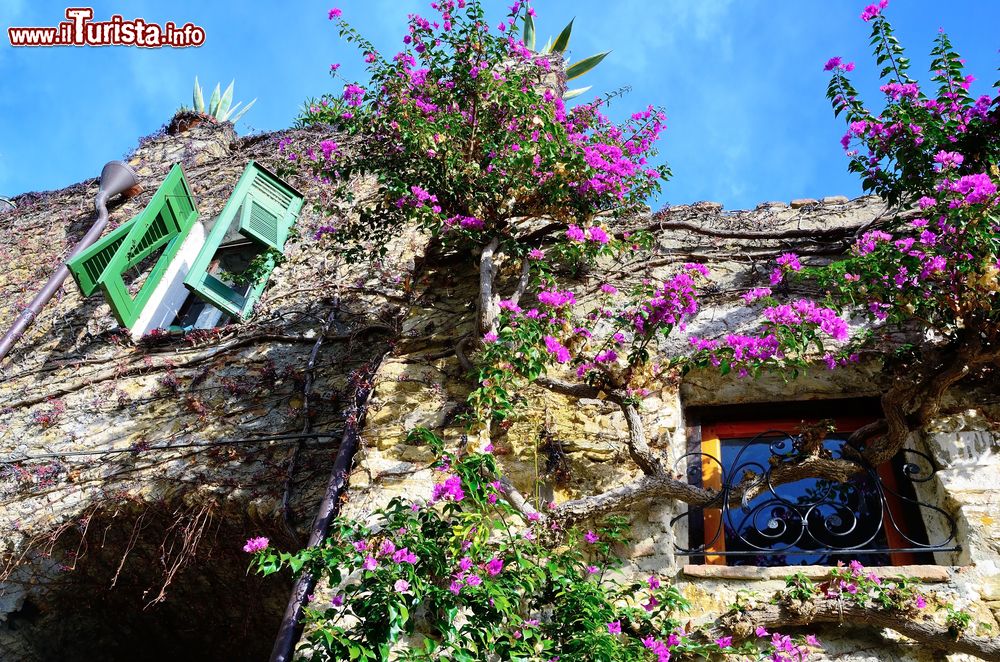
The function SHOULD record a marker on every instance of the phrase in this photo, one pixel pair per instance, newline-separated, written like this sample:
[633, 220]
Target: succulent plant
[220, 106]
[560, 45]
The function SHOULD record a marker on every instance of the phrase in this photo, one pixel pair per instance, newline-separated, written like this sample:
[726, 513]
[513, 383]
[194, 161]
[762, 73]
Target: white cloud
[649, 35]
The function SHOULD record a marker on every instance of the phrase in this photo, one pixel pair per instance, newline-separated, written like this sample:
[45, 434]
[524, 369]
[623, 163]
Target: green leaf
[572, 94]
[199, 100]
[230, 111]
[227, 100]
[585, 65]
[238, 115]
[562, 41]
[529, 31]
[213, 104]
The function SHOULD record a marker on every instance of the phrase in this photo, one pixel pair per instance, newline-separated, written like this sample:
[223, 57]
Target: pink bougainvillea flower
[335, 13]
[591, 537]
[494, 567]
[557, 349]
[615, 627]
[575, 233]
[724, 642]
[255, 545]
[401, 585]
[370, 563]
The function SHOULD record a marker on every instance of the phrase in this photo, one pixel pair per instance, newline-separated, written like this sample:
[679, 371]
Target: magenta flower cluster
[804, 311]
[674, 302]
[255, 545]
[450, 489]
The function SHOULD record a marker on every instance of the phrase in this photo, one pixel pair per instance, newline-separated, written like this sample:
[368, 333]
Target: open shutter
[262, 208]
[269, 208]
[161, 227]
[89, 265]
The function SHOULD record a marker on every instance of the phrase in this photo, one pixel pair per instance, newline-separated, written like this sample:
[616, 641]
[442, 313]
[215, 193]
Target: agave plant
[220, 106]
[559, 46]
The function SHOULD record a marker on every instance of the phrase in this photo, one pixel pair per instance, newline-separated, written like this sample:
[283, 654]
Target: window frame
[102, 265]
[247, 190]
[708, 427]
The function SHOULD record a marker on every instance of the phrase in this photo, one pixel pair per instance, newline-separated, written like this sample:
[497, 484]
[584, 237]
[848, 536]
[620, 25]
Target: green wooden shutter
[162, 225]
[263, 209]
[269, 209]
[88, 266]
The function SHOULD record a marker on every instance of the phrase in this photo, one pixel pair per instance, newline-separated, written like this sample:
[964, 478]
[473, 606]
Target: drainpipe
[291, 623]
[116, 177]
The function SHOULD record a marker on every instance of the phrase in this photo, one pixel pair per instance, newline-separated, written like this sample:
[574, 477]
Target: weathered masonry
[133, 465]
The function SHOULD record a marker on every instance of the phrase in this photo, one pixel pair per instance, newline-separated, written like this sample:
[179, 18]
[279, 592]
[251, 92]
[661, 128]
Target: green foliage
[465, 577]
[799, 587]
[220, 106]
[957, 620]
[447, 600]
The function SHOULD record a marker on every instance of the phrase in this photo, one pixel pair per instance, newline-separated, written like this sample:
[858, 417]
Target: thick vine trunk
[487, 307]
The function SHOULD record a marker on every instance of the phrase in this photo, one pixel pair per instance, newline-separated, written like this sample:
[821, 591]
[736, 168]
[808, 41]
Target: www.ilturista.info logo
[80, 30]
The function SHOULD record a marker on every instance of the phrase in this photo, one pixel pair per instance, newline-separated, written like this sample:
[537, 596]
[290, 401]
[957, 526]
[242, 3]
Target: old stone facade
[133, 472]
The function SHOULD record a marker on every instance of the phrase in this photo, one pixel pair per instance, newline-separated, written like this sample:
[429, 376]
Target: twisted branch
[831, 610]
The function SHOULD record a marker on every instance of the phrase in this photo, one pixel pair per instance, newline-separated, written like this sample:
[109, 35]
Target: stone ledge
[924, 573]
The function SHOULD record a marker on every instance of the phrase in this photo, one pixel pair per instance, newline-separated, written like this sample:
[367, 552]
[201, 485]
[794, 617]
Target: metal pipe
[329, 508]
[116, 177]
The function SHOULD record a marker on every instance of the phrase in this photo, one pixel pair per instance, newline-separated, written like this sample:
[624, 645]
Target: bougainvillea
[462, 576]
[465, 134]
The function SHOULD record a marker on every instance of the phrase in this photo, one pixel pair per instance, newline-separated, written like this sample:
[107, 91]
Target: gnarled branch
[831, 610]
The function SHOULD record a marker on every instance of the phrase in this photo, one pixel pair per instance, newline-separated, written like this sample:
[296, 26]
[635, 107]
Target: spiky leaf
[213, 104]
[585, 65]
[245, 109]
[199, 100]
[227, 100]
[572, 94]
[231, 110]
[562, 41]
[529, 32]
[548, 46]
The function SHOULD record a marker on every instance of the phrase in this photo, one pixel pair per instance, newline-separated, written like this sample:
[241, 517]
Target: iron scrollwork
[875, 513]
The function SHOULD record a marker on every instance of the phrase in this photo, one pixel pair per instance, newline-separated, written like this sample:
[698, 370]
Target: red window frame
[712, 435]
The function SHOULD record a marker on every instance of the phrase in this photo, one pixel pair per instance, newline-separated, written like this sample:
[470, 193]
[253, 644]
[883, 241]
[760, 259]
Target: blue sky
[741, 80]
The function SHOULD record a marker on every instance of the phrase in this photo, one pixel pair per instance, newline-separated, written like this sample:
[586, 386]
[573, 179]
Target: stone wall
[132, 438]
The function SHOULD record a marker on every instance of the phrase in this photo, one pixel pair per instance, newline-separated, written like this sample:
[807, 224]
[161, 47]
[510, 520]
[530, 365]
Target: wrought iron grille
[874, 515]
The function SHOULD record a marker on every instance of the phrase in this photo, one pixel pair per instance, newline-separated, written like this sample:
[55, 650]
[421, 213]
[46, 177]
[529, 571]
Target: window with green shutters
[254, 223]
[128, 263]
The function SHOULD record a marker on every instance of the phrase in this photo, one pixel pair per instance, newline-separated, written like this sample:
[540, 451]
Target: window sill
[924, 573]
